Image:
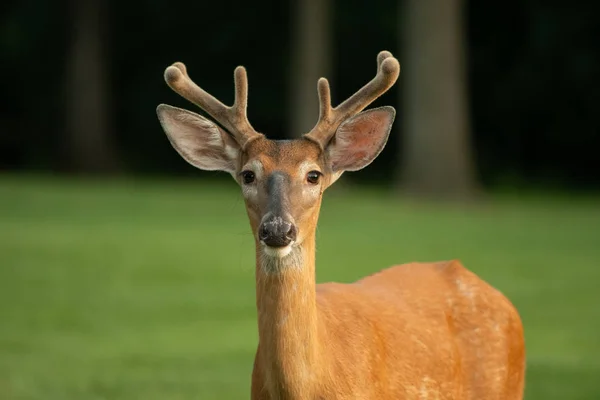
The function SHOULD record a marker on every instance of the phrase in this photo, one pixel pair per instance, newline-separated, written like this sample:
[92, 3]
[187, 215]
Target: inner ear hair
[198, 140]
[360, 139]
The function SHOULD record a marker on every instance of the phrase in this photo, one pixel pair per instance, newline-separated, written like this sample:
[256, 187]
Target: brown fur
[413, 331]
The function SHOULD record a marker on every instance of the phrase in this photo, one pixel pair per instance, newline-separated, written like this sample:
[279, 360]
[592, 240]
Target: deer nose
[277, 232]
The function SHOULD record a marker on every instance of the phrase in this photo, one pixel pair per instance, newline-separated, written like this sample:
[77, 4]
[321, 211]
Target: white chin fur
[278, 252]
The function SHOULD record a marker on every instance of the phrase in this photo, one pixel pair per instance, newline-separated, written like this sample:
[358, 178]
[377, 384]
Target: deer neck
[287, 319]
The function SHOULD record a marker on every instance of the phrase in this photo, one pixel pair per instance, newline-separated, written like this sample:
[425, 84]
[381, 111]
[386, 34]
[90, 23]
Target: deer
[421, 330]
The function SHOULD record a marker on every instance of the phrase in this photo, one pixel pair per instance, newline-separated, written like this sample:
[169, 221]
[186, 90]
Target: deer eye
[313, 177]
[248, 177]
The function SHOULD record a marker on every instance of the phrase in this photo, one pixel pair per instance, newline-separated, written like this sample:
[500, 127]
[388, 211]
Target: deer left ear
[360, 139]
[199, 141]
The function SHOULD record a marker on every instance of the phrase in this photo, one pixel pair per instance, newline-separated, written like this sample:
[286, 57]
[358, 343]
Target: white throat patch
[274, 261]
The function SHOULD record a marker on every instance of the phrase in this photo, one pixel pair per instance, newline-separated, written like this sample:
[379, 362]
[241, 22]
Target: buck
[412, 331]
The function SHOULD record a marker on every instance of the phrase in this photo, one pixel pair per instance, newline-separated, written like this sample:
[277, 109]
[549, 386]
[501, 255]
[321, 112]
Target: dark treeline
[533, 72]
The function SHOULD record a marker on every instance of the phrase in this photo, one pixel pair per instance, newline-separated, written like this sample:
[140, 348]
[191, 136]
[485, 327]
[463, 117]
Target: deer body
[414, 331]
[408, 332]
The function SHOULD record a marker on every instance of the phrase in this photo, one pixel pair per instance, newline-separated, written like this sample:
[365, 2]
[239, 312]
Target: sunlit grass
[145, 290]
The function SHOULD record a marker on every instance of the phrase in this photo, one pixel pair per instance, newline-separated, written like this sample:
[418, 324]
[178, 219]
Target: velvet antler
[388, 69]
[234, 118]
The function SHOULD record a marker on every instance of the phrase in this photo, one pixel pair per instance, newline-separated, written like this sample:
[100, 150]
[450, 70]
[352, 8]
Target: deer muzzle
[275, 231]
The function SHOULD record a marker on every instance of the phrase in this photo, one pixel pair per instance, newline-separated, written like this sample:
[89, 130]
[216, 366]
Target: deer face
[282, 181]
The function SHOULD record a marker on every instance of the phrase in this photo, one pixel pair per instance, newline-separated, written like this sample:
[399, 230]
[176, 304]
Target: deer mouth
[277, 251]
[275, 260]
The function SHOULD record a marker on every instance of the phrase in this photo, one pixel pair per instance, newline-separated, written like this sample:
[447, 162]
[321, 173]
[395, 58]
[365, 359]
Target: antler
[388, 69]
[233, 118]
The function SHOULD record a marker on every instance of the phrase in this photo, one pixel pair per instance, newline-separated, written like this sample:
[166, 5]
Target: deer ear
[360, 139]
[199, 141]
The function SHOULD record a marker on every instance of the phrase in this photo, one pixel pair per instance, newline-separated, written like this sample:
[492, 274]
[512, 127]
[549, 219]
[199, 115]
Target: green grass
[145, 290]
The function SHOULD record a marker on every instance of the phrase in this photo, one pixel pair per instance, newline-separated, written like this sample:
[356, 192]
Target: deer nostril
[291, 233]
[277, 232]
[263, 233]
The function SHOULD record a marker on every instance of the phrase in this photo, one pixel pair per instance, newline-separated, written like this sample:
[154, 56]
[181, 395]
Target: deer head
[282, 181]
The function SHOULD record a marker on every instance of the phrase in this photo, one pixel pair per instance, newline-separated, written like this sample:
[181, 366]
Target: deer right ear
[199, 141]
[360, 139]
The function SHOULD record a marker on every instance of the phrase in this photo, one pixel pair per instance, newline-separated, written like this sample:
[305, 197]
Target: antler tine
[181, 66]
[234, 118]
[241, 90]
[388, 70]
[382, 56]
[177, 78]
[324, 99]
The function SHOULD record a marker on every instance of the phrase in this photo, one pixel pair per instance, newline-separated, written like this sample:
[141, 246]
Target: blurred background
[125, 273]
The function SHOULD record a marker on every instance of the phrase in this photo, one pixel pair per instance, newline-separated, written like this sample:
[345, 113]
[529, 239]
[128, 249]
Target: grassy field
[145, 290]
